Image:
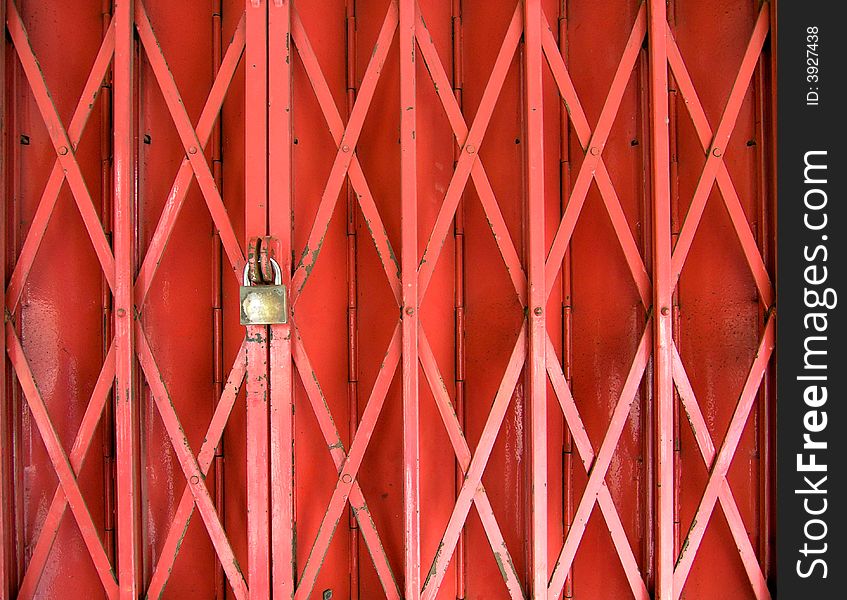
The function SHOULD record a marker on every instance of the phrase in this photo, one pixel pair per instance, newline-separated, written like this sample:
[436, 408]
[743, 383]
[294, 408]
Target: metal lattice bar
[536, 296]
[716, 148]
[126, 400]
[256, 352]
[346, 150]
[347, 488]
[720, 466]
[77, 456]
[346, 164]
[470, 153]
[65, 167]
[715, 172]
[662, 300]
[588, 457]
[281, 376]
[601, 463]
[473, 475]
[179, 189]
[727, 500]
[592, 165]
[66, 467]
[410, 302]
[51, 191]
[194, 472]
[185, 508]
[593, 169]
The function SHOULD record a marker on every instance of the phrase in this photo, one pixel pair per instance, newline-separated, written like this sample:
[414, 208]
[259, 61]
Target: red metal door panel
[527, 248]
[170, 293]
[322, 308]
[489, 294]
[719, 347]
[59, 310]
[599, 270]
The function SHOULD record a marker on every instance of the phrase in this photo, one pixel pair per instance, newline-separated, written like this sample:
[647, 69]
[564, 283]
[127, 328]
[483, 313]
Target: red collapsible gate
[528, 248]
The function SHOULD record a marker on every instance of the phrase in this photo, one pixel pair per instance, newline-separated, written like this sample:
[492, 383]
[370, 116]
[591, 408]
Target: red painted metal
[663, 289]
[106, 209]
[536, 296]
[195, 472]
[605, 171]
[352, 293]
[256, 226]
[410, 301]
[347, 488]
[459, 286]
[715, 172]
[592, 144]
[6, 550]
[280, 226]
[217, 297]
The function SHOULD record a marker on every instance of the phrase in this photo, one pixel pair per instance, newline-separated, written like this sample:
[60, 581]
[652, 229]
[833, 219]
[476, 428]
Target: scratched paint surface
[472, 314]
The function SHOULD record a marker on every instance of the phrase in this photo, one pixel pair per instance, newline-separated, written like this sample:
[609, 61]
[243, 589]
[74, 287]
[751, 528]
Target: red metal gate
[528, 248]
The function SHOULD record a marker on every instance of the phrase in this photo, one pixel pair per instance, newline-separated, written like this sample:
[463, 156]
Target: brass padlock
[264, 304]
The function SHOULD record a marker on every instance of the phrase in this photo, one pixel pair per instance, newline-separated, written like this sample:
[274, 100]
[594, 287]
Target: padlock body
[263, 305]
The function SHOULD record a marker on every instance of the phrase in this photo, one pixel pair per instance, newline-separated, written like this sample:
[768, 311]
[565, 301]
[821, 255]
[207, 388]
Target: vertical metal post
[108, 418]
[6, 548]
[648, 546]
[142, 386]
[217, 295]
[459, 288]
[14, 246]
[565, 186]
[409, 281]
[352, 296]
[256, 224]
[662, 299]
[676, 223]
[537, 297]
[126, 409]
[526, 424]
[280, 222]
[764, 194]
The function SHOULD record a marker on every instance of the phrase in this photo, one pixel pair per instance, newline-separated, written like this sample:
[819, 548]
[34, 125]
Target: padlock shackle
[277, 273]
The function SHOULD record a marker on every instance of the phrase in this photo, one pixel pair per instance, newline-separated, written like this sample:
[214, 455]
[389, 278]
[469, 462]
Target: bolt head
[410, 311]
[538, 311]
[470, 149]
[595, 151]
[192, 150]
[63, 150]
[666, 311]
[345, 148]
